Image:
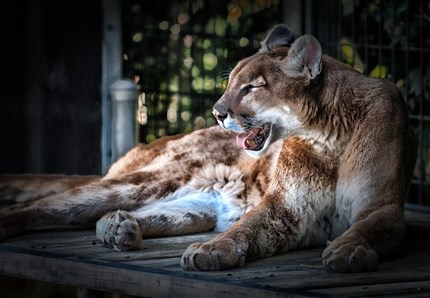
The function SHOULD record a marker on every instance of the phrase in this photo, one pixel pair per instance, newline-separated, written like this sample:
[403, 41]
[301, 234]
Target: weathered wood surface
[77, 258]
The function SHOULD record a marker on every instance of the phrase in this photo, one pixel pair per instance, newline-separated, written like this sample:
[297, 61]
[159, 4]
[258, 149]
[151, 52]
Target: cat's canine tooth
[250, 143]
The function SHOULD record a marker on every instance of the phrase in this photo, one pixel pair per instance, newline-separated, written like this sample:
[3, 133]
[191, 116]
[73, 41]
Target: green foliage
[180, 52]
[393, 36]
[350, 55]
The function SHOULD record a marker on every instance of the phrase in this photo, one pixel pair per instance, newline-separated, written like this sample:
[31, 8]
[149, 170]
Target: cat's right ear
[279, 36]
[304, 58]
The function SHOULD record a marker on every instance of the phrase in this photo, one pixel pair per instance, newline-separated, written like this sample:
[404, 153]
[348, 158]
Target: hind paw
[120, 231]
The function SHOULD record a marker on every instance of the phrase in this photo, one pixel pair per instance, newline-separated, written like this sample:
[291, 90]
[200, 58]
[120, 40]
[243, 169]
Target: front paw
[213, 255]
[120, 230]
[343, 256]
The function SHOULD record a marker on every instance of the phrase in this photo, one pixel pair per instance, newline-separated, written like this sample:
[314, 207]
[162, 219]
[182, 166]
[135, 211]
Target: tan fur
[336, 154]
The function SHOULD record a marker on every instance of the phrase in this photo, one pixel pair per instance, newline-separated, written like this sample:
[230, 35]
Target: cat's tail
[24, 188]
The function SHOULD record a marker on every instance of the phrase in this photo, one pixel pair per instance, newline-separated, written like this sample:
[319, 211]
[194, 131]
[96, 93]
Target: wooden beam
[119, 278]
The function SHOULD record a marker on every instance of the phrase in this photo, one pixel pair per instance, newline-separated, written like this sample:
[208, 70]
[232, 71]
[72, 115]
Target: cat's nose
[219, 116]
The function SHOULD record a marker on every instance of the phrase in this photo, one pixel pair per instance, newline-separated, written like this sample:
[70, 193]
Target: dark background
[50, 59]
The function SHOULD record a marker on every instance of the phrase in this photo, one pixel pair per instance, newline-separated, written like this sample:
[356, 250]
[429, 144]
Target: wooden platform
[76, 258]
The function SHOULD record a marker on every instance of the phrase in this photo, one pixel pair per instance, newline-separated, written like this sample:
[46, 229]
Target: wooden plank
[77, 258]
[67, 238]
[403, 289]
[121, 278]
[89, 247]
[413, 267]
[288, 273]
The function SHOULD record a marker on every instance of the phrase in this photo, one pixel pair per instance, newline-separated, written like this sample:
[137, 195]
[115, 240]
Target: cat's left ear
[304, 58]
[279, 36]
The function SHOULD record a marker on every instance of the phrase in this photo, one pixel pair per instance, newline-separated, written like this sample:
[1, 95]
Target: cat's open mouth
[255, 139]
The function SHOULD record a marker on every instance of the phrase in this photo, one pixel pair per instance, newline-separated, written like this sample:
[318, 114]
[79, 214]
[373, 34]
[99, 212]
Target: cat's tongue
[247, 140]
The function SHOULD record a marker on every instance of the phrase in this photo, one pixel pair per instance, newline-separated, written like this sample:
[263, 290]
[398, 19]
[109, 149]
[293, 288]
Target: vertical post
[292, 14]
[309, 19]
[111, 71]
[124, 96]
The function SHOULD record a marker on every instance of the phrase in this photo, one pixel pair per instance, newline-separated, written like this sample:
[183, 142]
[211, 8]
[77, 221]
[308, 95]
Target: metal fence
[388, 39]
[180, 53]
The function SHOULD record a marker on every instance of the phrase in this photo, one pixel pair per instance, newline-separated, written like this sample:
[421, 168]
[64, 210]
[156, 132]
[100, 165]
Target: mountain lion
[308, 151]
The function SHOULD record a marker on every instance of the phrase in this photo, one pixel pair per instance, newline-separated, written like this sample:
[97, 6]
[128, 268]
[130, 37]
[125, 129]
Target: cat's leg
[212, 200]
[83, 206]
[377, 232]
[288, 214]
[267, 229]
[371, 188]
[192, 213]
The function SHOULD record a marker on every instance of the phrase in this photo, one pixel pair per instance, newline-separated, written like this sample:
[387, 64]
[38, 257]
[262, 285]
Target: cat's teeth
[250, 143]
